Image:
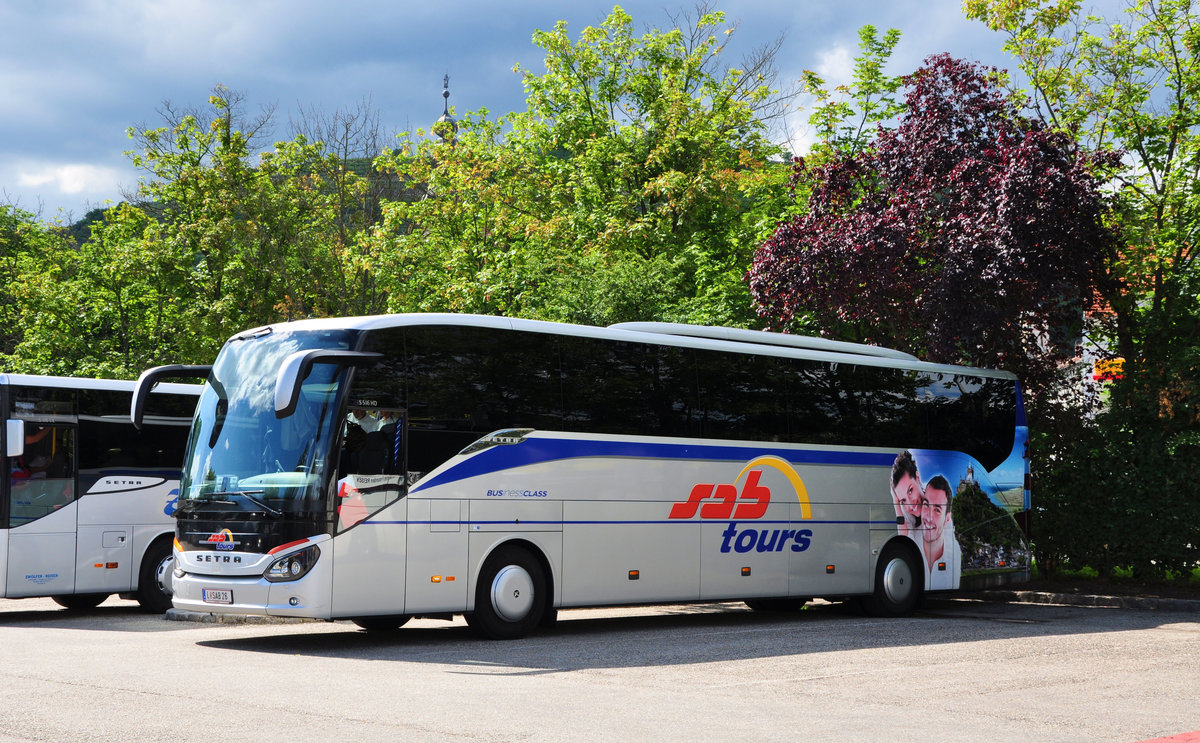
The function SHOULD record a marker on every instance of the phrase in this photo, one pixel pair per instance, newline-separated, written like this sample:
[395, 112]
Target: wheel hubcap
[512, 593]
[162, 575]
[897, 580]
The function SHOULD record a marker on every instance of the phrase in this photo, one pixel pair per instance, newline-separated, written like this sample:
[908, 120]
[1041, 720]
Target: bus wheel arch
[513, 592]
[154, 576]
[899, 580]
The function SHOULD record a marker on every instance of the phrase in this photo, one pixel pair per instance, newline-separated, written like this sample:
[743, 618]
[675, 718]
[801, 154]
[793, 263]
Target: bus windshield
[241, 458]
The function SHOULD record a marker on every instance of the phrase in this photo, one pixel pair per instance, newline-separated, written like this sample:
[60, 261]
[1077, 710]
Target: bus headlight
[293, 567]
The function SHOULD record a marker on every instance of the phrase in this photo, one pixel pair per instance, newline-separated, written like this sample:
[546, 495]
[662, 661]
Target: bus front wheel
[897, 583]
[154, 580]
[510, 597]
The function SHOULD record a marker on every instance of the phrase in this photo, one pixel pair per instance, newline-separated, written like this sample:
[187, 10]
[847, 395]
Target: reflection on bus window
[43, 478]
[371, 463]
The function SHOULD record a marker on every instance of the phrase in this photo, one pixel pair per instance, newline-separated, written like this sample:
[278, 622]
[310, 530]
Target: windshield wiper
[220, 497]
[249, 495]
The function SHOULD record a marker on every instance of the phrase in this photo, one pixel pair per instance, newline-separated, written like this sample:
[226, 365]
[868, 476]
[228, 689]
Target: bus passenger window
[43, 478]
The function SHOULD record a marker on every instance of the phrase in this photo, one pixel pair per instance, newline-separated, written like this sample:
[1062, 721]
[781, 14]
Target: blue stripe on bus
[537, 450]
[620, 523]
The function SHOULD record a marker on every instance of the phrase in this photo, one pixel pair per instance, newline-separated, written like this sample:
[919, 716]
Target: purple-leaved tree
[967, 234]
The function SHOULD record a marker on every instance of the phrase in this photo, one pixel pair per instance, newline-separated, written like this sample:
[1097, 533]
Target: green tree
[844, 115]
[107, 308]
[631, 187]
[246, 242]
[27, 248]
[1133, 85]
[1120, 489]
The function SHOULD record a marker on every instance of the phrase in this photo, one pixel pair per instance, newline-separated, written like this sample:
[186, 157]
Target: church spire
[446, 126]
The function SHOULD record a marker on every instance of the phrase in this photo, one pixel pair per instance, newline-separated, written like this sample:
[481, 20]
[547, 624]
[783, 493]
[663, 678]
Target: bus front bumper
[215, 594]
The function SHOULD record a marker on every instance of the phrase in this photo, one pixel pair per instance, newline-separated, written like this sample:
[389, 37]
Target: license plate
[217, 596]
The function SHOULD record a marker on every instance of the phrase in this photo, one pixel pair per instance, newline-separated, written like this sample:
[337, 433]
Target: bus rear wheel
[80, 601]
[510, 597]
[897, 583]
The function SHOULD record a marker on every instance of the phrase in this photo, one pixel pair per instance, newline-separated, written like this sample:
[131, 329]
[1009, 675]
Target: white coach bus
[86, 500]
[380, 468]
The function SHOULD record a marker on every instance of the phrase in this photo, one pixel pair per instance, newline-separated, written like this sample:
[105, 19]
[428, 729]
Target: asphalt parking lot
[960, 670]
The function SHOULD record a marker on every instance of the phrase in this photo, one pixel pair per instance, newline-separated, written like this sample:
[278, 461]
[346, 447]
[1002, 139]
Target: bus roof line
[847, 356]
[742, 335]
[88, 383]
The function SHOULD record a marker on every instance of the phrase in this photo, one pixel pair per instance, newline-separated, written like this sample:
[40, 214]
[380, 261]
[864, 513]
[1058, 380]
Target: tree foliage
[1130, 83]
[24, 244]
[967, 234]
[845, 117]
[221, 238]
[630, 188]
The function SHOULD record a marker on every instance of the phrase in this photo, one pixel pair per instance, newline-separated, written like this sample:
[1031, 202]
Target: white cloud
[61, 189]
[835, 65]
[72, 179]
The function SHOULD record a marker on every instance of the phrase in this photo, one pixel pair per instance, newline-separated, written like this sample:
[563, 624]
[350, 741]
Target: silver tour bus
[379, 468]
[87, 500]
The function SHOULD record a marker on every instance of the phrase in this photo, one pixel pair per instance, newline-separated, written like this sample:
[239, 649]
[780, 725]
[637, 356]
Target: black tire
[80, 601]
[510, 596]
[386, 623]
[778, 604]
[154, 578]
[899, 582]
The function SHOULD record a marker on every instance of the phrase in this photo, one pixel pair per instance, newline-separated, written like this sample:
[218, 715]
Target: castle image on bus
[380, 468]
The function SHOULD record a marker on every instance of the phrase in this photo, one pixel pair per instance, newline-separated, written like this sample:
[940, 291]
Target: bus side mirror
[297, 366]
[151, 377]
[14, 432]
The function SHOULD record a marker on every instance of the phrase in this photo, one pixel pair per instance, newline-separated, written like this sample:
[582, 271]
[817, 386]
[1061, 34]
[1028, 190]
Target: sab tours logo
[725, 502]
[223, 540]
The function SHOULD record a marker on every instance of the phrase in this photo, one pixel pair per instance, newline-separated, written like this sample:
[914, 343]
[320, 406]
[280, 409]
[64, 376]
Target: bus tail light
[293, 567]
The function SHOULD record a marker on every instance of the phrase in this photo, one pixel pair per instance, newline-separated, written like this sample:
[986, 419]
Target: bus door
[369, 550]
[42, 510]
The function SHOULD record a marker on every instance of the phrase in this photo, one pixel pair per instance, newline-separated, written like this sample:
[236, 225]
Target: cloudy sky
[76, 74]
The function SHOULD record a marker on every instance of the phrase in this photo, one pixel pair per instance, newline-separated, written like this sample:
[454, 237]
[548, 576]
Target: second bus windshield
[240, 454]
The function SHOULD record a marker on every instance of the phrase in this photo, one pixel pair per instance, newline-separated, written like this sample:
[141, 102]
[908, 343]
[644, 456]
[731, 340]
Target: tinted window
[42, 480]
[109, 444]
[617, 387]
[466, 382]
[975, 415]
[742, 396]
[852, 405]
[814, 402]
